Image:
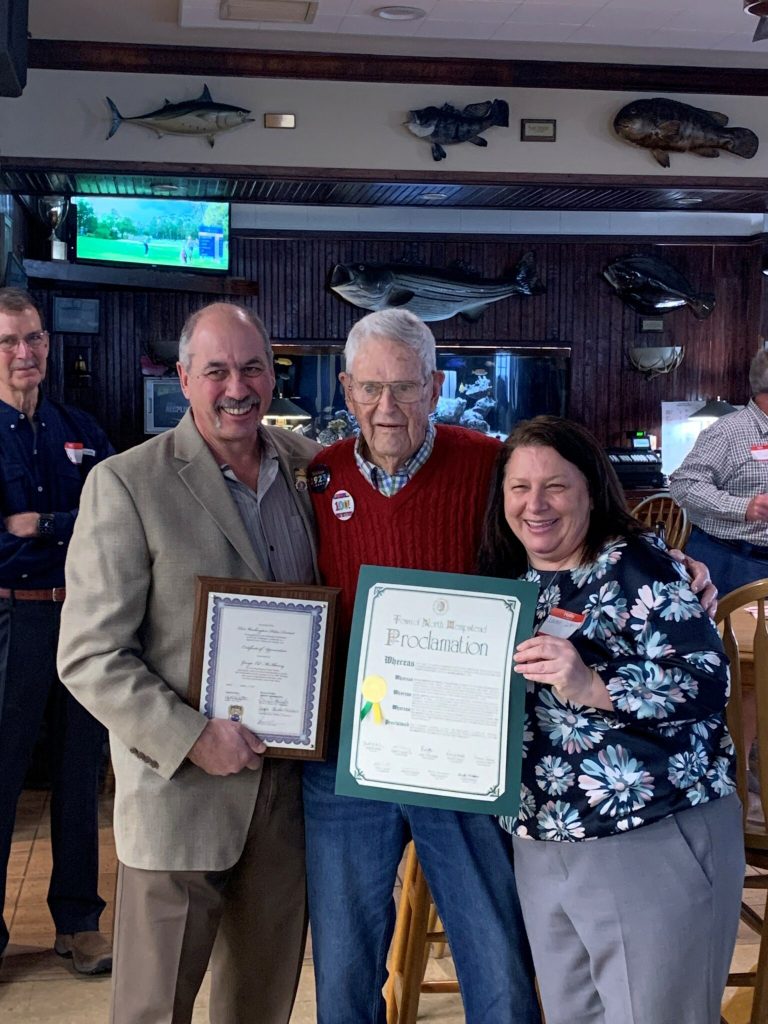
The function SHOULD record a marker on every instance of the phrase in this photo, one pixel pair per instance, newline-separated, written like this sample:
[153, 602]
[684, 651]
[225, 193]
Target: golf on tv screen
[181, 233]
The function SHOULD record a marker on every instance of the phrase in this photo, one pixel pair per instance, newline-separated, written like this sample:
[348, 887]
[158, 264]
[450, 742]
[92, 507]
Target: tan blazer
[150, 520]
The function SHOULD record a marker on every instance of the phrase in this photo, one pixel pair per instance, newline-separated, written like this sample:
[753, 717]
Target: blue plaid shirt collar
[391, 485]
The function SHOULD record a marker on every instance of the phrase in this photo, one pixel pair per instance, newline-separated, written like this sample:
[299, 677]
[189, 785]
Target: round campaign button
[343, 505]
[319, 478]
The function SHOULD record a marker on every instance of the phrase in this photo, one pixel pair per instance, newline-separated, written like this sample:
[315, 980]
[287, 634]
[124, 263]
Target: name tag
[760, 452]
[561, 623]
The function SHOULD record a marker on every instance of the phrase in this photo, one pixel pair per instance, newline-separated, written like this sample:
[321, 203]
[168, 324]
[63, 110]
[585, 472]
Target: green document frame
[433, 708]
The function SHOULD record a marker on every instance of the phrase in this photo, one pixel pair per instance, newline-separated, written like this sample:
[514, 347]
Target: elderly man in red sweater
[411, 495]
[418, 493]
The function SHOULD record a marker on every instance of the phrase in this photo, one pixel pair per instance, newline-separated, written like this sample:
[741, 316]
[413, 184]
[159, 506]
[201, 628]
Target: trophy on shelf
[53, 211]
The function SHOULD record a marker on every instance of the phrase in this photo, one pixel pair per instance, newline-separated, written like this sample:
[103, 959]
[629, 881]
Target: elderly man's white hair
[393, 325]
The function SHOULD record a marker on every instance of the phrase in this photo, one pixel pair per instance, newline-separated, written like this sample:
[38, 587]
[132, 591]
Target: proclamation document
[261, 656]
[432, 705]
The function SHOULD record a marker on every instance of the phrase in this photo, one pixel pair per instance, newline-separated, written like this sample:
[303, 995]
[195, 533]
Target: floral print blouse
[665, 747]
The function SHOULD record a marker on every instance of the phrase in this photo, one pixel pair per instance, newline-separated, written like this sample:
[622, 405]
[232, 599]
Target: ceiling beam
[75, 55]
[162, 170]
[348, 187]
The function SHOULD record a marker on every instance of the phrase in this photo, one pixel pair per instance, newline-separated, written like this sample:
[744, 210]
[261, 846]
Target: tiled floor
[36, 986]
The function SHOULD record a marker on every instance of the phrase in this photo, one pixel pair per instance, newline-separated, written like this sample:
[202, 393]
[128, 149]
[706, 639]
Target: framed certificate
[76, 316]
[261, 655]
[433, 708]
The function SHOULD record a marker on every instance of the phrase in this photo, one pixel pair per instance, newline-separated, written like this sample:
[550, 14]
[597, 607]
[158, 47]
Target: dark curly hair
[501, 553]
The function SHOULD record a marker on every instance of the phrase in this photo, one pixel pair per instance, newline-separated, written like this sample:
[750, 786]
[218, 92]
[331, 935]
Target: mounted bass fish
[202, 116]
[667, 126]
[447, 126]
[430, 293]
[649, 285]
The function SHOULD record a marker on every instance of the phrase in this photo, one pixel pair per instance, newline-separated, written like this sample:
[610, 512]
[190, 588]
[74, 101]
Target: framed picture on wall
[538, 129]
[76, 316]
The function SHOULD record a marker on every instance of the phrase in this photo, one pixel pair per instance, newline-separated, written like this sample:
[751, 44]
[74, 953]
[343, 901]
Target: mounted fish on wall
[431, 293]
[447, 126]
[650, 285]
[668, 126]
[202, 116]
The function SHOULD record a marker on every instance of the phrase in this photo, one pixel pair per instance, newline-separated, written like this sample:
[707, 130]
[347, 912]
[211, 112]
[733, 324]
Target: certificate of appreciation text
[263, 657]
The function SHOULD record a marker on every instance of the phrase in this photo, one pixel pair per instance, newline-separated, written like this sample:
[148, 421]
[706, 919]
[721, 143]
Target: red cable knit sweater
[433, 523]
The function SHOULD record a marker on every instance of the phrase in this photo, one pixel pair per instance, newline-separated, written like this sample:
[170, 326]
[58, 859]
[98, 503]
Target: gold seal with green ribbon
[374, 692]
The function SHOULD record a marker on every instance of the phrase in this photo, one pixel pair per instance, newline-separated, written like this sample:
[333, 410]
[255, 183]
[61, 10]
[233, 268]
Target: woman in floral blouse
[628, 842]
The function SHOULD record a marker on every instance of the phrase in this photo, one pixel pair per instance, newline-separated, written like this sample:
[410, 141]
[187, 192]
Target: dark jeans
[728, 568]
[353, 849]
[29, 691]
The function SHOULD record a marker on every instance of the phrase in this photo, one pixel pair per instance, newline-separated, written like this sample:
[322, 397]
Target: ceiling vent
[293, 11]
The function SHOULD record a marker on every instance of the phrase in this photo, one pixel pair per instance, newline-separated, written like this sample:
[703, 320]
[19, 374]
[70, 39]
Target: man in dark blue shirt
[46, 451]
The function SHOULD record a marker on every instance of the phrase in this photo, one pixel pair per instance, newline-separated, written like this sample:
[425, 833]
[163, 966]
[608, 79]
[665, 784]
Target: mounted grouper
[430, 293]
[667, 126]
[447, 126]
[202, 116]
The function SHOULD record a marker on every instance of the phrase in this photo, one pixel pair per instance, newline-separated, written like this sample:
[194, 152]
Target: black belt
[743, 547]
[57, 594]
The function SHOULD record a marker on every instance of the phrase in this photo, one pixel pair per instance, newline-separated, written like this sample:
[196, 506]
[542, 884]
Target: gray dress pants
[636, 928]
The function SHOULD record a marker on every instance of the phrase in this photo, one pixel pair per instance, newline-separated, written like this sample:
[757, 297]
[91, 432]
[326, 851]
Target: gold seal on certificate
[261, 655]
[433, 709]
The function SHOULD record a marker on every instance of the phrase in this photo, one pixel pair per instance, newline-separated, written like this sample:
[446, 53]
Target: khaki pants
[249, 921]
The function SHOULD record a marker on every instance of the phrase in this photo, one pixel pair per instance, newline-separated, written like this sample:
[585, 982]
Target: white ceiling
[705, 32]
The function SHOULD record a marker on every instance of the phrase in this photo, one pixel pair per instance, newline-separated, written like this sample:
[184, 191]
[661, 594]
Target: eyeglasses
[11, 342]
[368, 392]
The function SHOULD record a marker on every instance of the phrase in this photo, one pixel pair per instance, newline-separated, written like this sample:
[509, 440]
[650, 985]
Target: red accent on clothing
[433, 523]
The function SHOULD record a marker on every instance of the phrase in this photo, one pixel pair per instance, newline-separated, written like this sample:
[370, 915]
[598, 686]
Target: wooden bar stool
[416, 929]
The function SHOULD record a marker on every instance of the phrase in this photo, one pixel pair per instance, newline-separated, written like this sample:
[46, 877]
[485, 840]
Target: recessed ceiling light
[399, 13]
[159, 188]
[434, 195]
[689, 200]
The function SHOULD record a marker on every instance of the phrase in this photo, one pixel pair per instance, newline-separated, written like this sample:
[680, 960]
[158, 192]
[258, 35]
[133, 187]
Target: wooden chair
[416, 929]
[748, 654]
[662, 514]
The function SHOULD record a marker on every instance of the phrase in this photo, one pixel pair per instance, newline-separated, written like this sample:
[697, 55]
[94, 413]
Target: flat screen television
[164, 404]
[183, 234]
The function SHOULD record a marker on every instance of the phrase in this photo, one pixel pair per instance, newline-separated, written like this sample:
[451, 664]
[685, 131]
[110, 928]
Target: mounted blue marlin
[192, 117]
[430, 293]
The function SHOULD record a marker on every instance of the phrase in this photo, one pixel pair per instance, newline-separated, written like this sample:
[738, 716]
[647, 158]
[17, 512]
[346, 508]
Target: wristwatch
[46, 524]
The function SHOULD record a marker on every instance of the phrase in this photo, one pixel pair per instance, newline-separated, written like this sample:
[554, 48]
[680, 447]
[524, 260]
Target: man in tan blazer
[209, 833]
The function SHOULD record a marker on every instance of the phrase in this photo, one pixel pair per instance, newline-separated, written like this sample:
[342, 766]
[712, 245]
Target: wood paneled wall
[579, 309]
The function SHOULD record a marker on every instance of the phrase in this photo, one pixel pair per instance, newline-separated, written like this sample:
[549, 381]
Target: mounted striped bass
[202, 116]
[430, 293]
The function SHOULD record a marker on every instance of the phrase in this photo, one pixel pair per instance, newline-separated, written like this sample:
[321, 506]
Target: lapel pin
[343, 505]
[319, 478]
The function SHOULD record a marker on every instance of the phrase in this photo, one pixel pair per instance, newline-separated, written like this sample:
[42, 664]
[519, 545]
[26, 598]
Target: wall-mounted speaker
[13, 47]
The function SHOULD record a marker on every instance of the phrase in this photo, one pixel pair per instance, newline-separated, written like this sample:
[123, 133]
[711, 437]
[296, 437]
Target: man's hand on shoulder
[701, 582]
[22, 524]
[757, 509]
[225, 748]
